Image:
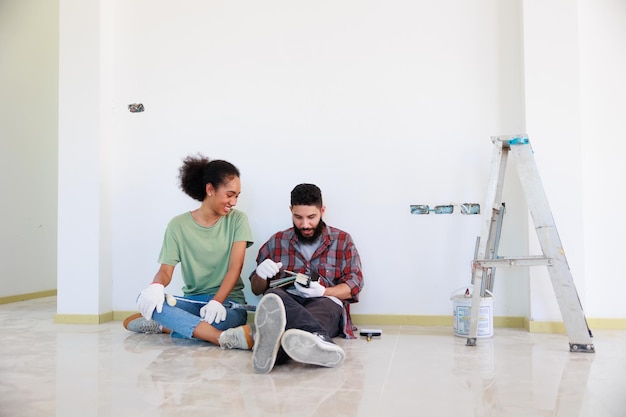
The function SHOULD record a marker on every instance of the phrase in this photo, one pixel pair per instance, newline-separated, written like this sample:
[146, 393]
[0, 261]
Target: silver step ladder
[486, 258]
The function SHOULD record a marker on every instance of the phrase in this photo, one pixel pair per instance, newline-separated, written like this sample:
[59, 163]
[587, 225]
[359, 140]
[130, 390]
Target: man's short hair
[306, 195]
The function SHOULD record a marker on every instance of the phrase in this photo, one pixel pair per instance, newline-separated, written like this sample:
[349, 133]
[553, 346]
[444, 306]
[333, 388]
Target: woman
[210, 244]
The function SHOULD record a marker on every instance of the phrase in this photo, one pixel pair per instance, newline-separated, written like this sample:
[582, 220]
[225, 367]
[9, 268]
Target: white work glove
[213, 311]
[150, 299]
[315, 290]
[268, 268]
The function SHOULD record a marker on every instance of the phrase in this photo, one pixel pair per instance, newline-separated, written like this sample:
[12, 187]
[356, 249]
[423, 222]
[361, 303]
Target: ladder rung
[519, 261]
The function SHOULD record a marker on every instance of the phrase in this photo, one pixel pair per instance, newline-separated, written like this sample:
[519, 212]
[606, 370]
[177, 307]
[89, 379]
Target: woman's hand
[213, 312]
[151, 299]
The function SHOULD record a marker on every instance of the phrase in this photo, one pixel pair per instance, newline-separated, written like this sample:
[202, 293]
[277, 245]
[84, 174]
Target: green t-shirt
[204, 252]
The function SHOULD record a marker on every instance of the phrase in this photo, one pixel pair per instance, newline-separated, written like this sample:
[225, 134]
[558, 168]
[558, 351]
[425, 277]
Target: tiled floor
[103, 370]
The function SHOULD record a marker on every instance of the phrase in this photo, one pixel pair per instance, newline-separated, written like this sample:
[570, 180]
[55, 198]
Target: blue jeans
[184, 317]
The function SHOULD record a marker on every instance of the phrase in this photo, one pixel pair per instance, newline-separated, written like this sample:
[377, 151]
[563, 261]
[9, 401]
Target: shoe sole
[270, 322]
[307, 348]
[248, 334]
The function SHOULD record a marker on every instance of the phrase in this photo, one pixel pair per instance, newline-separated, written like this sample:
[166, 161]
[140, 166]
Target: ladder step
[514, 261]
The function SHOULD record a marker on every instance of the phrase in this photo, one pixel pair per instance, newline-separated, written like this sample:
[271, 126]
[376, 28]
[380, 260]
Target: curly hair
[306, 195]
[198, 171]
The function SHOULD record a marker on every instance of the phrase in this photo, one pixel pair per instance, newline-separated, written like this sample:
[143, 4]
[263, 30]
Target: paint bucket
[461, 313]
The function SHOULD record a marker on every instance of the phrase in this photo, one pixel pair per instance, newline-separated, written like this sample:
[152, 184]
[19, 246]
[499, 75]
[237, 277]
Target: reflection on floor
[103, 370]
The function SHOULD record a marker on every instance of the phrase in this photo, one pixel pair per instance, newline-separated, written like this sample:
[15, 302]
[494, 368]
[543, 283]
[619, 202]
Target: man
[297, 321]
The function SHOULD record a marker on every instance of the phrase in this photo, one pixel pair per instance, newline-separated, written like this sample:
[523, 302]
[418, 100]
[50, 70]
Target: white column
[85, 62]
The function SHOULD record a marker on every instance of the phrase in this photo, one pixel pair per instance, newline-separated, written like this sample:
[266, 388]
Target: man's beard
[310, 239]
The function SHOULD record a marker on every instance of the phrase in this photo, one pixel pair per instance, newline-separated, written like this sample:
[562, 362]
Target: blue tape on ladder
[518, 141]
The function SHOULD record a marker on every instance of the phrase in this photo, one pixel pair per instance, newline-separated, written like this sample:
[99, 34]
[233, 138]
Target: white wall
[603, 88]
[552, 85]
[383, 104]
[574, 98]
[28, 145]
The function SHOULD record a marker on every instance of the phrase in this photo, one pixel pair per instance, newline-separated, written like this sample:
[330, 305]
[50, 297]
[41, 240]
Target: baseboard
[390, 320]
[609, 324]
[83, 318]
[559, 326]
[121, 315]
[410, 320]
[29, 296]
[502, 322]
[359, 319]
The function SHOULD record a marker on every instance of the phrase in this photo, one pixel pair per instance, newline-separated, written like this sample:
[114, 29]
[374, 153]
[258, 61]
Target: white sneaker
[312, 348]
[270, 321]
[136, 323]
[237, 338]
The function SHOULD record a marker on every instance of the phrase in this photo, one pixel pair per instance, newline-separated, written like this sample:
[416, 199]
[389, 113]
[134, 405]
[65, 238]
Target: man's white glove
[150, 299]
[268, 268]
[315, 290]
[213, 311]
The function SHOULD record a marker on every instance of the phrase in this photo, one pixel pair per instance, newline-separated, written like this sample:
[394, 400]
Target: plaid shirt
[336, 260]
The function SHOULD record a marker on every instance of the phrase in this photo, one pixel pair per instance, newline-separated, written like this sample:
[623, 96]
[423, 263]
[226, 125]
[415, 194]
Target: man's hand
[213, 311]
[315, 290]
[268, 269]
[150, 299]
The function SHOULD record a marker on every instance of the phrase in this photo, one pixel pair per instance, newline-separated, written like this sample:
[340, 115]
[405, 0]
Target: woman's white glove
[213, 311]
[268, 268]
[315, 290]
[150, 299]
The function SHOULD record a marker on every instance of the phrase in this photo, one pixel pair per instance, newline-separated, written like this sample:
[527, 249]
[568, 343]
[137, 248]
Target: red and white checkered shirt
[336, 260]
